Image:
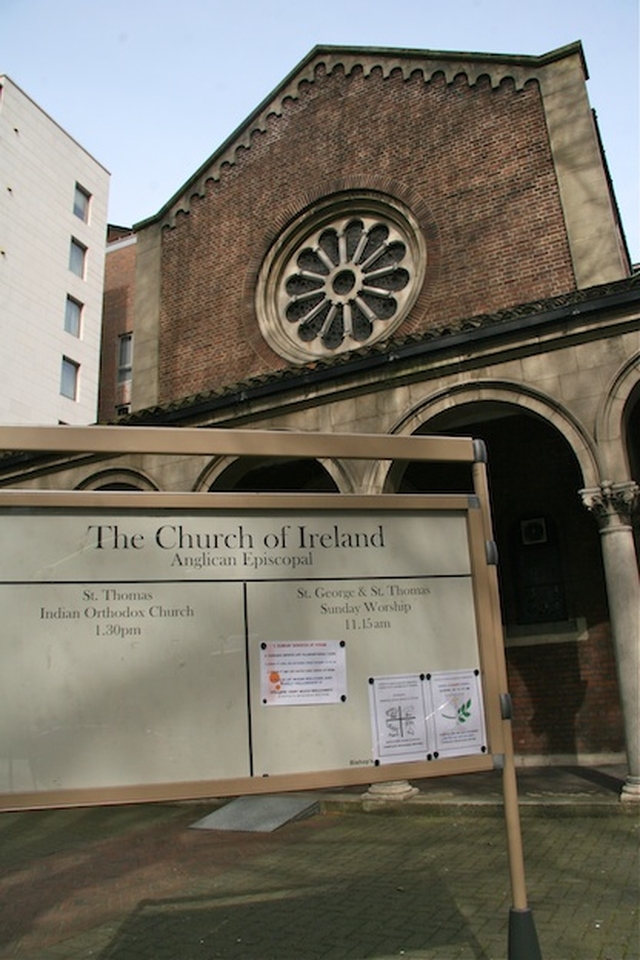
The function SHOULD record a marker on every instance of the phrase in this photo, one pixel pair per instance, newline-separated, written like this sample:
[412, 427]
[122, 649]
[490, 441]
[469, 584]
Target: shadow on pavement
[364, 920]
[601, 778]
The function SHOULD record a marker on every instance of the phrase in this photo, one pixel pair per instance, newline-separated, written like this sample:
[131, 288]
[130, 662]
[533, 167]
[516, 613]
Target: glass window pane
[125, 357]
[69, 379]
[77, 255]
[81, 203]
[72, 317]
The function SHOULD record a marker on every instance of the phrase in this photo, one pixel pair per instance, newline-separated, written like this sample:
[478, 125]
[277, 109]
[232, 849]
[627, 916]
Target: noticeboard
[274, 642]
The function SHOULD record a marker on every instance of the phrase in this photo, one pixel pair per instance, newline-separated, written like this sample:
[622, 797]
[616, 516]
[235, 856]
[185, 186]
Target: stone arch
[612, 419]
[526, 399]
[117, 478]
[225, 472]
[552, 592]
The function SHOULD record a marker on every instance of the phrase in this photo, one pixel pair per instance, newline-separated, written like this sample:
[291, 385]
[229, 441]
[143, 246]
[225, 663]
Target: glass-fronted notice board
[151, 653]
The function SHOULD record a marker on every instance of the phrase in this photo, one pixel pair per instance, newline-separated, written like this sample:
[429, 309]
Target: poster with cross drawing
[398, 718]
[427, 716]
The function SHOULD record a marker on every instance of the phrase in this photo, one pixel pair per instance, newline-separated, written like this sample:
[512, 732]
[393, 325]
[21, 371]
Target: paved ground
[427, 881]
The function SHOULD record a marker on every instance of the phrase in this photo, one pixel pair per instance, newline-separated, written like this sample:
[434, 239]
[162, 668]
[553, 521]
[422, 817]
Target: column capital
[612, 503]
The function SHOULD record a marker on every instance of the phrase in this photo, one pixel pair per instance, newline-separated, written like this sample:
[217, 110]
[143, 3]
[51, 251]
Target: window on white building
[73, 317]
[77, 257]
[81, 198]
[69, 378]
[125, 357]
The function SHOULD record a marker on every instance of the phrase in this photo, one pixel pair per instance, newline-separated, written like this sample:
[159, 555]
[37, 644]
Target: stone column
[612, 505]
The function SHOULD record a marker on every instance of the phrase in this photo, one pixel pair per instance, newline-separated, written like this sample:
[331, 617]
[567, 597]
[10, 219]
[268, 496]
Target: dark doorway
[275, 476]
[550, 573]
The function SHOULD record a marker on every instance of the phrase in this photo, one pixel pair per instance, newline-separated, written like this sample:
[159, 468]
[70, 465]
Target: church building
[411, 242]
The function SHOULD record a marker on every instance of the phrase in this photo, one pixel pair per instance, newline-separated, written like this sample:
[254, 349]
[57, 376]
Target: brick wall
[472, 162]
[566, 698]
[117, 318]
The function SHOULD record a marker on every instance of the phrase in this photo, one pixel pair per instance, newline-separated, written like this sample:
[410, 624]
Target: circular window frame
[279, 266]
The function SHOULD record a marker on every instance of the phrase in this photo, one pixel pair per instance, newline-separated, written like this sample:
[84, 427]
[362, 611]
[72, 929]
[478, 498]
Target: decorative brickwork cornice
[323, 61]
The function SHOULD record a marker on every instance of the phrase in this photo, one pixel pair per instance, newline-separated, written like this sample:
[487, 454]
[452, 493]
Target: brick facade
[117, 318]
[473, 162]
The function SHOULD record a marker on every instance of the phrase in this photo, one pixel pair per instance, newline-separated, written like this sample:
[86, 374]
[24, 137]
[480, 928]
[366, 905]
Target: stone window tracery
[340, 278]
[344, 282]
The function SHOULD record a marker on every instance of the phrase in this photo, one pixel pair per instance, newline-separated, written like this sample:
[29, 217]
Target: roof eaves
[512, 320]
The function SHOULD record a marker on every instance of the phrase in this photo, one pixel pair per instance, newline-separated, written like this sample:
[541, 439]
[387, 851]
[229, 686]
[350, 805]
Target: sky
[151, 88]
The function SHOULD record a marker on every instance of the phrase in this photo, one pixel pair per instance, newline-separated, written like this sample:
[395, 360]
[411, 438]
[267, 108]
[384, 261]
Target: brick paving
[135, 883]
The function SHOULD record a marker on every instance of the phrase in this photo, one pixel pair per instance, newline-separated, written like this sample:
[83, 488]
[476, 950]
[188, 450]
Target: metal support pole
[523, 939]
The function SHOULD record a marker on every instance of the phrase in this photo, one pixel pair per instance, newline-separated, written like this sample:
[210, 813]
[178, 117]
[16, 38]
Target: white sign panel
[122, 684]
[148, 647]
[225, 546]
[303, 672]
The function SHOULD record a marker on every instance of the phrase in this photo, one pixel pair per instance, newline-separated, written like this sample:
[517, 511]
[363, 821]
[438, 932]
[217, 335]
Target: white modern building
[53, 219]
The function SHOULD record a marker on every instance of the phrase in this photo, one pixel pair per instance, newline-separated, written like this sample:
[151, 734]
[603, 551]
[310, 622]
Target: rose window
[336, 282]
[346, 282]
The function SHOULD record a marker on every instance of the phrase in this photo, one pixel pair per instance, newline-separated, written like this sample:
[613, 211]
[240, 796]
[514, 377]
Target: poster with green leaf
[457, 713]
